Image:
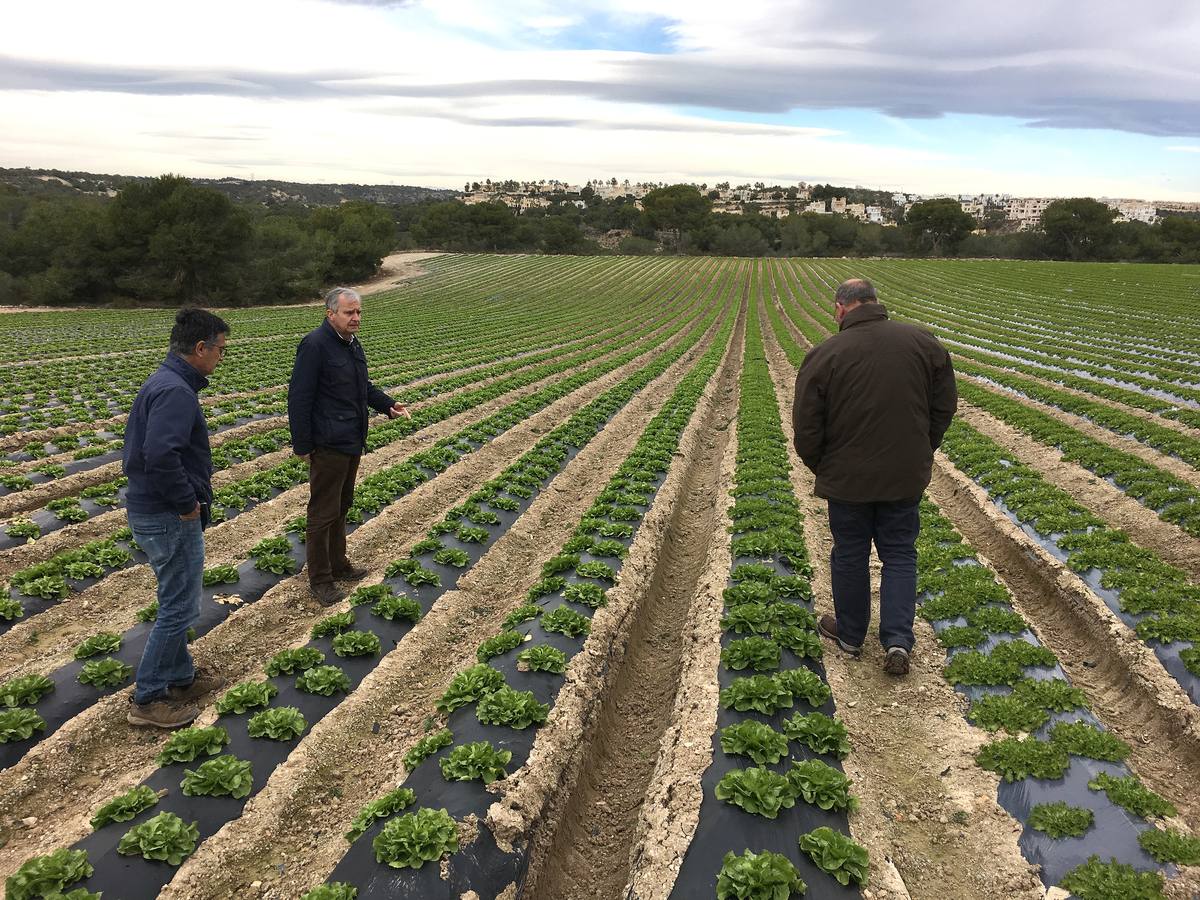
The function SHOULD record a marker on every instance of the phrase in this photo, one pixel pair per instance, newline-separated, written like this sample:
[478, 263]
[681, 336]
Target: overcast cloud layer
[745, 72]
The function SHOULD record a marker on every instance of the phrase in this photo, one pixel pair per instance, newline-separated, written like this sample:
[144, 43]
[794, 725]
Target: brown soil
[1167, 463]
[609, 722]
[1108, 502]
[395, 270]
[1126, 685]
[928, 814]
[400, 694]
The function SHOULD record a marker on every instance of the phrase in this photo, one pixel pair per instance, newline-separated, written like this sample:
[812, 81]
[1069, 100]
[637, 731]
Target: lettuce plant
[758, 693]
[47, 587]
[803, 642]
[470, 685]
[961, 636]
[380, 808]
[1170, 846]
[296, 659]
[759, 741]
[585, 593]
[805, 684]
[1054, 694]
[820, 733]
[370, 593]
[1015, 758]
[477, 760]
[498, 644]
[836, 854]
[521, 614]
[1130, 794]
[276, 563]
[757, 790]
[566, 621]
[1083, 739]
[1060, 820]
[164, 837]
[25, 690]
[1008, 711]
[452, 557]
[543, 658]
[598, 570]
[334, 624]
[185, 745]
[544, 587]
[10, 609]
[356, 643]
[147, 613]
[414, 839]
[747, 618]
[245, 696]
[125, 807]
[758, 876]
[323, 680]
[104, 642]
[421, 575]
[283, 723]
[105, 673]
[514, 709]
[19, 725]
[49, 875]
[225, 574]
[756, 653]
[398, 607]
[556, 565]
[225, 776]
[821, 785]
[23, 528]
[426, 747]
[1095, 880]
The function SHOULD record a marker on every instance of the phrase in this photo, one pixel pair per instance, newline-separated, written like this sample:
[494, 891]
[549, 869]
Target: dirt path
[1105, 500]
[396, 269]
[581, 851]
[928, 813]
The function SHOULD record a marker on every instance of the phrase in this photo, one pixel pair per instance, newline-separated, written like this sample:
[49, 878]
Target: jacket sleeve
[169, 421]
[808, 413]
[378, 400]
[302, 393]
[943, 401]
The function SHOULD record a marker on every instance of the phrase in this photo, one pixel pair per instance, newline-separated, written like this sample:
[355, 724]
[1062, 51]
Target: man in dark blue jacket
[328, 399]
[169, 467]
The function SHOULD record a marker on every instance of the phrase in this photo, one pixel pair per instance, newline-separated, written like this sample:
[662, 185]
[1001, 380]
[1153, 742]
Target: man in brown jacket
[872, 404]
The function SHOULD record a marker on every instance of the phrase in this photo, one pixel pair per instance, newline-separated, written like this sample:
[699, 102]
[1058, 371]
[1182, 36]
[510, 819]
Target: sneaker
[896, 661]
[827, 626]
[326, 593]
[351, 573]
[205, 682]
[162, 713]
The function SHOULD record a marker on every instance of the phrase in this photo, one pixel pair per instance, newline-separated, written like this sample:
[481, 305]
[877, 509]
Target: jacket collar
[183, 368]
[334, 333]
[866, 312]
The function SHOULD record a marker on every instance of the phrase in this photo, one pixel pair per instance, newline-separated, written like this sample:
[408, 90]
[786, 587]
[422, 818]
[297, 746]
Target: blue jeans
[894, 527]
[176, 550]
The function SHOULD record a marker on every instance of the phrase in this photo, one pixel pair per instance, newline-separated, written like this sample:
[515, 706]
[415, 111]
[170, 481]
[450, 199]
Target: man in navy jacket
[169, 467]
[328, 399]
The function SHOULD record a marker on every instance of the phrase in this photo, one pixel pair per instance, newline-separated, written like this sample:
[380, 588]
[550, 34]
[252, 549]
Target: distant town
[779, 201]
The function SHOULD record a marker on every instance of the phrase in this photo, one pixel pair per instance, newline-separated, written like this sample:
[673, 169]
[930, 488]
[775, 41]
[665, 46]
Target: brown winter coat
[872, 403]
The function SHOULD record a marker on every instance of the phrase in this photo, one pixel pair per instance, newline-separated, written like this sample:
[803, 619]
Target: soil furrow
[368, 733]
[580, 852]
[1100, 497]
[928, 813]
[1128, 688]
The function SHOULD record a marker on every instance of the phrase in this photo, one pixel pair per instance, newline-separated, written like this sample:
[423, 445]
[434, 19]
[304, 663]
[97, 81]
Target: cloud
[1194, 148]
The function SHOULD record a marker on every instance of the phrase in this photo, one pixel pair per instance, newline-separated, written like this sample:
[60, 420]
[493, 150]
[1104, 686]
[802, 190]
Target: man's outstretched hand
[399, 410]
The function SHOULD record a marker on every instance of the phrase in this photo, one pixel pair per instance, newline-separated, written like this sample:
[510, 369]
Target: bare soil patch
[396, 269]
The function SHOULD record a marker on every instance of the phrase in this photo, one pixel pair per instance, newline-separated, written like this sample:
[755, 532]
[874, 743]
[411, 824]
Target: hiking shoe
[205, 682]
[162, 713]
[896, 661]
[827, 626]
[351, 573]
[326, 593]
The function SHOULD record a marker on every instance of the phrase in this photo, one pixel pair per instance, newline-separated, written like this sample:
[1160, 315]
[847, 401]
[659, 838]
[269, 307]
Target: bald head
[854, 291]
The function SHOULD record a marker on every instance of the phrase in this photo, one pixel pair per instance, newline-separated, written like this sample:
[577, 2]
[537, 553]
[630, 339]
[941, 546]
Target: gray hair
[332, 298]
[855, 290]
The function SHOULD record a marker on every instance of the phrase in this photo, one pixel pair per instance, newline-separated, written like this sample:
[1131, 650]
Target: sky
[1025, 97]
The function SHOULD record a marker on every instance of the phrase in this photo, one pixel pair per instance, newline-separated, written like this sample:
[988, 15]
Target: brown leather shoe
[896, 662]
[827, 626]
[326, 593]
[162, 713]
[351, 573]
[205, 682]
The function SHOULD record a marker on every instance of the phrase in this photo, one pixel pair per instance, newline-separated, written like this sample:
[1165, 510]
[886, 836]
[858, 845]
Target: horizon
[1033, 101]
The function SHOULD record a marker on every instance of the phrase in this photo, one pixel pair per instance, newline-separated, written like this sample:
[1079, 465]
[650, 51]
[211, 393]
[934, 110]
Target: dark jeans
[175, 547]
[330, 493]
[894, 527]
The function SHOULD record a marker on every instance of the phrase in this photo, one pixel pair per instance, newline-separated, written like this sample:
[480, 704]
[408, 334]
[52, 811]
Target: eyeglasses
[220, 348]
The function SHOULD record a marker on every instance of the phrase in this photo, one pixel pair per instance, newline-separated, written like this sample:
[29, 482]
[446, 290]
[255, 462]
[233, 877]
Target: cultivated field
[585, 663]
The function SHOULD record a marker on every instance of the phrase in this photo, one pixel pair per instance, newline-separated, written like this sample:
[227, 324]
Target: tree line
[169, 241]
